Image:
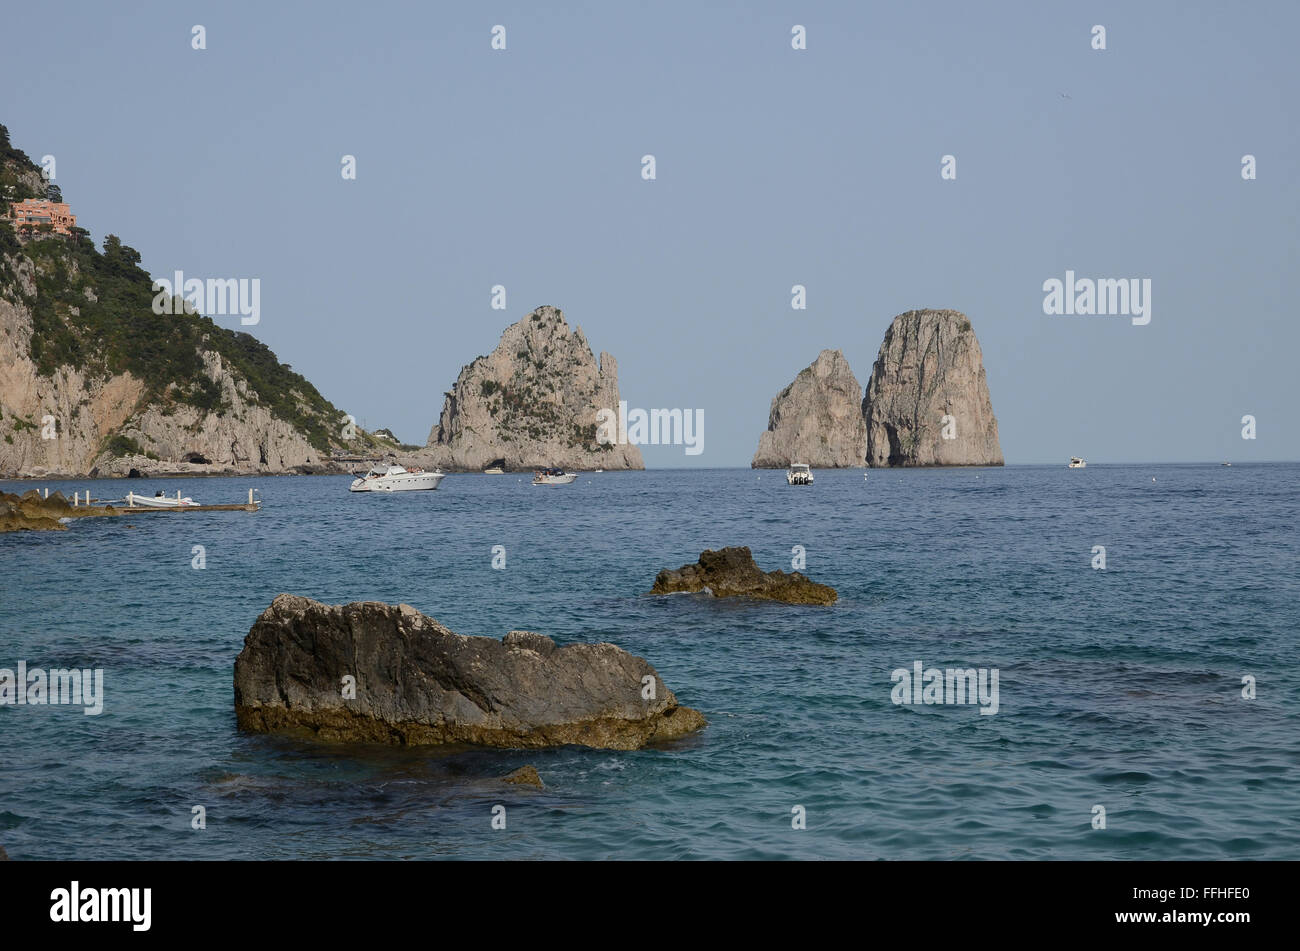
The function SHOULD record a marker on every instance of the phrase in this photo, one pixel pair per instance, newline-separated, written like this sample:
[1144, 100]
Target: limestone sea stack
[415, 682]
[817, 419]
[930, 367]
[732, 573]
[532, 402]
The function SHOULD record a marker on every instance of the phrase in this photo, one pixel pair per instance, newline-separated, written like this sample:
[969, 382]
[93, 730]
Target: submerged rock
[416, 682]
[930, 367]
[524, 776]
[817, 419]
[732, 572]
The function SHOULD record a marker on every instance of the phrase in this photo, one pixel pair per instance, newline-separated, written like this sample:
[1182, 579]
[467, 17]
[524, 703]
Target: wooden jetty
[117, 506]
[34, 512]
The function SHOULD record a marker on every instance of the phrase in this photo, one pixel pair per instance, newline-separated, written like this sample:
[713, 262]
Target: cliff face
[930, 367]
[105, 424]
[532, 402]
[817, 419]
[94, 382]
[246, 437]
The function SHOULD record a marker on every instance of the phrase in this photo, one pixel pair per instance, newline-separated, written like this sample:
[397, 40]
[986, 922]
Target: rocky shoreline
[180, 471]
[31, 512]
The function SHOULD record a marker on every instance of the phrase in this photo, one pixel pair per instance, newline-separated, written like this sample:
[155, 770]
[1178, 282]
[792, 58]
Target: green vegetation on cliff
[93, 311]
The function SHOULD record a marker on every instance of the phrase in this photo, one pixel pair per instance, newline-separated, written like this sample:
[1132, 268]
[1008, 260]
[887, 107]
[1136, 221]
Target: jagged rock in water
[31, 512]
[731, 572]
[817, 419]
[532, 402]
[930, 367]
[416, 682]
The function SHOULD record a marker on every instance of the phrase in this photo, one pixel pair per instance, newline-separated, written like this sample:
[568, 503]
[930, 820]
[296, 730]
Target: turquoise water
[1120, 688]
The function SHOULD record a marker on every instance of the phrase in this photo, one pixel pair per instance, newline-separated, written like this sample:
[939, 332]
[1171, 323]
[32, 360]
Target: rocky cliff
[817, 419]
[93, 382]
[89, 421]
[927, 403]
[533, 401]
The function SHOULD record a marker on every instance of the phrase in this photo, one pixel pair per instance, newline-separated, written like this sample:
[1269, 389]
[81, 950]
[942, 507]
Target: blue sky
[775, 167]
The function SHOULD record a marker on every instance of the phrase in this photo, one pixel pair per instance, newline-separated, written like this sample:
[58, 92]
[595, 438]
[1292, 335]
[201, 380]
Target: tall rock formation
[930, 367]
[817, 419]
[532, 402]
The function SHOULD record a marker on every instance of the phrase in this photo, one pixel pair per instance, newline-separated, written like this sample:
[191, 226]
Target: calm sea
[1119, 688]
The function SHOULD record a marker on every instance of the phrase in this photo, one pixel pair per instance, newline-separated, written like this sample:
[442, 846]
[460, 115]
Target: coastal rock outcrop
[30, 512]
[532, 402]
[817, 419]
[927, 402]
[731, 572]
[416, 682]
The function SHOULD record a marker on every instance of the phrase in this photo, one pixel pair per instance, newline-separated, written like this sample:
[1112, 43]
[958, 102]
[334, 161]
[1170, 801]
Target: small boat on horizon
[1077, 462]
[390, 478]
[799, 473]
[553, 476]
[494, 470]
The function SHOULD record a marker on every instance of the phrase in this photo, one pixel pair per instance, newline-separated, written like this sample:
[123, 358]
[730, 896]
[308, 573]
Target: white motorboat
[159, 501]
[387, 478]
[799, 473]
[553, 477]
[494, 470]
[1077, 463]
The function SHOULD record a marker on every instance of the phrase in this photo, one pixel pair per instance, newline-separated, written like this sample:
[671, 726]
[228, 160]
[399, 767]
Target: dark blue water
[1120, 688]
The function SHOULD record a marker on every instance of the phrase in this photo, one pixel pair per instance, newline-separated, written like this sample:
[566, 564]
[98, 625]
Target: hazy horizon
[774, 167]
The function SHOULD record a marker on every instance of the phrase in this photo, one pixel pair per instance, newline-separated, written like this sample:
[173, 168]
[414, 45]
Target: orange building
[41, 211]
